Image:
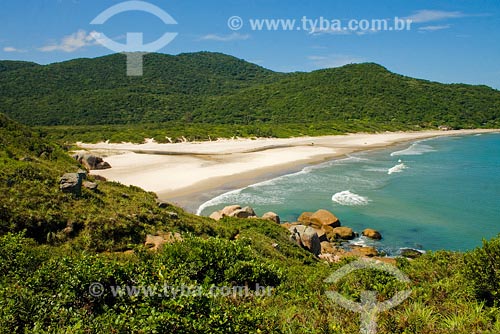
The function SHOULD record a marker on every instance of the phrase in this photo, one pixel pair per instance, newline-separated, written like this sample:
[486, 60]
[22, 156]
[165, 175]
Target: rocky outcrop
[372, 234]
[305, 218]
[216, 215]
[410, 253]
[344, 233]
[155, 242]
[71, 183]
[306, 237]
[363, 251]
[327, 248]
[228, 210]
[272, 217]
[239, 212]
[91, 162]
[324, 218]
[245, 212]
[90, 185]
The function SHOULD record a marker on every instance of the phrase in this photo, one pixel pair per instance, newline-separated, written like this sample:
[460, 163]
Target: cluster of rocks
[321, 233]
[246, 212]
[73, 183]
[91, 162]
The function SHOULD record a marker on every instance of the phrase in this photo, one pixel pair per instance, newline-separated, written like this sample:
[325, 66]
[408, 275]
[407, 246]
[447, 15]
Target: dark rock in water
[344, 233]
[372, 234]
[71, 183]
[410, 253]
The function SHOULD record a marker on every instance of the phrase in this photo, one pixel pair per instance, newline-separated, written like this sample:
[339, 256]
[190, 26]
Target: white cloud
[12, 49]
[333, 60]
[225, 38]
[435, 28]
[426, 15]
[73, 42]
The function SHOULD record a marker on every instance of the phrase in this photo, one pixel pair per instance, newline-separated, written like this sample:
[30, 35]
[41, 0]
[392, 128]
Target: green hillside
[211, 88]
[97, 91]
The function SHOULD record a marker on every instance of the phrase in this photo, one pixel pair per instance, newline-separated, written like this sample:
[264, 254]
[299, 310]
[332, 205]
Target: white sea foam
[415, 149]
[350, 199]
[397, 169]
[217, 200]
[237, 196]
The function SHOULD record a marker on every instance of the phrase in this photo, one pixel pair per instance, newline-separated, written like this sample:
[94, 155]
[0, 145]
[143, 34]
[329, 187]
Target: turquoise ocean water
[441, 193]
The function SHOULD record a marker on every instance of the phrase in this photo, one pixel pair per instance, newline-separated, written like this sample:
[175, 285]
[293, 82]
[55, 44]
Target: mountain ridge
[213, 88]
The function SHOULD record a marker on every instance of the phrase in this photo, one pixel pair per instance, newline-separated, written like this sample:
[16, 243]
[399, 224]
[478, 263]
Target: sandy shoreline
[188, 174]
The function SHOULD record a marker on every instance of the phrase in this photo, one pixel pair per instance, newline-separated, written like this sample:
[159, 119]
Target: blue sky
[449, 41]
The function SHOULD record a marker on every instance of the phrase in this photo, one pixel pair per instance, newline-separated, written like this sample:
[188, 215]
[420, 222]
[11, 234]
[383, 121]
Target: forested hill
[215, 88]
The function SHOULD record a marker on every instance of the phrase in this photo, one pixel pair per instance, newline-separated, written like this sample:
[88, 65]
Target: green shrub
[482, 268]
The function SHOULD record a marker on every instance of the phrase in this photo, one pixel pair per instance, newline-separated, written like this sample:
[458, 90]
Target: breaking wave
[350, 199]
[397, 169]
[414, 149]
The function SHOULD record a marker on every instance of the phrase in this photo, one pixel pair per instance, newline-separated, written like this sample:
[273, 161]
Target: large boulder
[216, 215]
[363, 251]
[234, 211]
[272, 217]
[228, 210]
[90, 185]
[71, 183]
[305, 218]
[91, 162]
[155, 242]
[245, 212]
[324, 218]
[321, 235]
[327, 248]
[344, 233]
[330, 234]
[306, 237]
[372, 234]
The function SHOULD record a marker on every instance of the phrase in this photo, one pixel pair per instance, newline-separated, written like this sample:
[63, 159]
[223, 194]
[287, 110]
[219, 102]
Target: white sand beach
[180, 172]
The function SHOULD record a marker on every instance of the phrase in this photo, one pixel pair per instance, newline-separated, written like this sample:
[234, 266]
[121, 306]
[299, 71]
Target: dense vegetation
[215, 94]
[46, 272]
